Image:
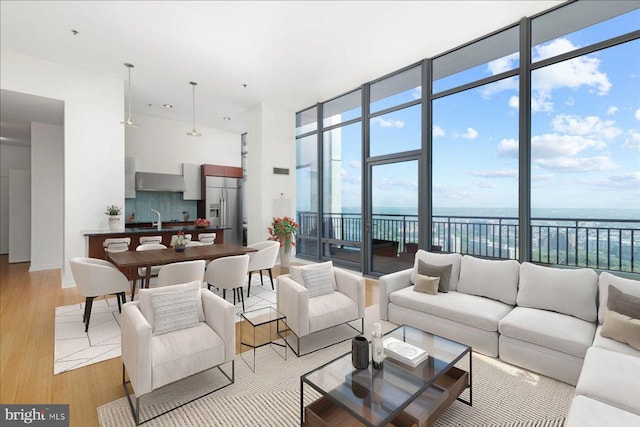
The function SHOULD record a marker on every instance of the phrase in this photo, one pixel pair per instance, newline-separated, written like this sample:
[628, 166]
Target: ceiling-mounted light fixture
[129, 122]
[193, 131]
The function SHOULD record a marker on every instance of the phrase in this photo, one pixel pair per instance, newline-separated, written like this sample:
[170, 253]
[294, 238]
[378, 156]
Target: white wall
[161, 145]
[11, 157]
[47, 180]
[270, 143]
[93, 140]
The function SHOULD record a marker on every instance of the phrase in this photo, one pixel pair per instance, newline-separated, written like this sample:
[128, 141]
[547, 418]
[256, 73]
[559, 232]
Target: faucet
[159, 223]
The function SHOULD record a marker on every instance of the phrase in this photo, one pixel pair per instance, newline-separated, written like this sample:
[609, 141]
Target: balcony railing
[609, 244]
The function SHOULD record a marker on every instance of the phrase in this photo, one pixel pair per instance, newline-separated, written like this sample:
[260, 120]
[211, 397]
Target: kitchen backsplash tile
[169, 204]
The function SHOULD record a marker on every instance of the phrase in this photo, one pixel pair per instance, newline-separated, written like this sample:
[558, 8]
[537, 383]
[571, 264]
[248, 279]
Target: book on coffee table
[404, 352]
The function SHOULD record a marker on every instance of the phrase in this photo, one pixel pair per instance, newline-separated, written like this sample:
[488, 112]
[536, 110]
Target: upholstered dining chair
[318, 296]
[142, 271]
[181, 272]
[264, 259]
[228, 273]
[95, 277]
[119, 244]
[172, 333]
[207, 238]
[145, 240]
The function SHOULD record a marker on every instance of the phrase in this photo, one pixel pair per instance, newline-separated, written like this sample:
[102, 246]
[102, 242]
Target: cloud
[633, 141]
[438, 131]
[552, 145]
[542, 177]
[503, 64]
[612, 110]
[587, 126]
[485, 184]
[637, 115]
[510, 83]
[355, 164]
[508, 148]
[504, 173]
[540, 102]
[471, 133]
[417, 93]
[514, 102]
[577, 164]
[451, 193]
[388, 123]
[626, 181]
[396, 184]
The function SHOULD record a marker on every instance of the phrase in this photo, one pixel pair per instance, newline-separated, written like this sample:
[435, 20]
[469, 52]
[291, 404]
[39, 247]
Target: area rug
[503, 395]
[75, 348]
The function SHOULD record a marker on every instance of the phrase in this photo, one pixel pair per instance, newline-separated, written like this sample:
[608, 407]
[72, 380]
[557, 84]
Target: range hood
[147, 181]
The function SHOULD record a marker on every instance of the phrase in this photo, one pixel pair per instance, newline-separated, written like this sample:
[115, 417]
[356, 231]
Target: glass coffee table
[397, 394]
[260, 327]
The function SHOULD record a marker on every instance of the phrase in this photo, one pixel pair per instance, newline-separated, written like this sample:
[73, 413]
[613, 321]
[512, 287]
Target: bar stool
[120, 244]
[150, 239]
[207, 238]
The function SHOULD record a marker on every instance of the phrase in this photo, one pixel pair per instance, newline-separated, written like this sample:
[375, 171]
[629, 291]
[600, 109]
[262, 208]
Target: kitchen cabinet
[129, 177]
[193, 182]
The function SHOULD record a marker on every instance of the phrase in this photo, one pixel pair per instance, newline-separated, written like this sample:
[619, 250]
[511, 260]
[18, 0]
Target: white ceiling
[291, 53]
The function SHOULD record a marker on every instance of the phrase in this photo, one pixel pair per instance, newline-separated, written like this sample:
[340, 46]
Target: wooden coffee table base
[424, 411]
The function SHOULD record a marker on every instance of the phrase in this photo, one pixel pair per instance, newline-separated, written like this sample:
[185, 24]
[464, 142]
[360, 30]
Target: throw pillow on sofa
[442, 272]
[426, 284]
[439, 259]
[622, 318]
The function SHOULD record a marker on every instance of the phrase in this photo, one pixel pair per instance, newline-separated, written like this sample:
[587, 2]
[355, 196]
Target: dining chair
[264, 259]
[193, 243]
[228, 273]
[181, 272]
[207, 238]
[113, 245]
[95, 277]
[144, 240]
[142, 271]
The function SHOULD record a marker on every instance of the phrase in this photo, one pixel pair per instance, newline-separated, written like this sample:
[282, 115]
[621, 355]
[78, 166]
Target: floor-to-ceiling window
[523, 144]
[307, 182]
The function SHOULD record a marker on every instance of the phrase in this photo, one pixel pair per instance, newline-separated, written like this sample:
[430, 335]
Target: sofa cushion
[625, 285]
[556, 331]
[439, 259]
[488, 278]
[426, 284]
[565, 291]
[179, 354]
[481, 313]
[442, 272]
[587, 412]
[319, 281]
[331, 310]
[613, 345]
[611, 378]
[295, 271]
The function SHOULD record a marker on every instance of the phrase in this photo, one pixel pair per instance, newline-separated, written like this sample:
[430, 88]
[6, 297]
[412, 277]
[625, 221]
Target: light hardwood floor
[27, 305]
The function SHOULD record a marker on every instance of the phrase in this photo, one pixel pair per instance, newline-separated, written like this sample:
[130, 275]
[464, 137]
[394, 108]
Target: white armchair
[311, 304]
[156, 352]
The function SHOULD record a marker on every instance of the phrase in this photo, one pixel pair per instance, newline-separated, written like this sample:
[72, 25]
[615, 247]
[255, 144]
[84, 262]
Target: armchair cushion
[329, 310]
[319, 281]
[295, 271]
[145, 300]
[175, 309]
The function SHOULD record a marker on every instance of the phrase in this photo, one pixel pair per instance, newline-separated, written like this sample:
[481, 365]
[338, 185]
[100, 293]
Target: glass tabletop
[376, 396]
[262, 316]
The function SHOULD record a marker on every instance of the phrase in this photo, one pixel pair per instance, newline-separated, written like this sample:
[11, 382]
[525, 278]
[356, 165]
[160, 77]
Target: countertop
[152, 230]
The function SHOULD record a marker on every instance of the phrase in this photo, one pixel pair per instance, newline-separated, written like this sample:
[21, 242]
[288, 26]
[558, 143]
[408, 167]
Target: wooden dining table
[130, 261]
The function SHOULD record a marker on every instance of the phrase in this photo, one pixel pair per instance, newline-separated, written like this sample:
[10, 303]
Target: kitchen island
[95, 238]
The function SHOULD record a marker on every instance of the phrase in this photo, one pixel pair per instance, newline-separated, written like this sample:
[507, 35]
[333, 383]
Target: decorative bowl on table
[202, 223]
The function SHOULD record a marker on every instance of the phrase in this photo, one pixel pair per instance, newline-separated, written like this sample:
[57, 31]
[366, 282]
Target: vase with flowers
[180, 242]
[283, 230]
[115, 217]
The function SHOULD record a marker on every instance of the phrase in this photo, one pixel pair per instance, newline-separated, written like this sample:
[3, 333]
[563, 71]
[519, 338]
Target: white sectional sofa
[545, 319]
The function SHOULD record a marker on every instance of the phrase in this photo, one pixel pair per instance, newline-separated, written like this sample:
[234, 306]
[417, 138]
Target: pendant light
[193, 131]
[129, 122]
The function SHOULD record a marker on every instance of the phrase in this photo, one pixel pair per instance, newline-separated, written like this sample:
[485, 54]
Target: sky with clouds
[585, 143]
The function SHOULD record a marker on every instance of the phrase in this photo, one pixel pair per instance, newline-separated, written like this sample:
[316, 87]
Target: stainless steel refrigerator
[224, 206]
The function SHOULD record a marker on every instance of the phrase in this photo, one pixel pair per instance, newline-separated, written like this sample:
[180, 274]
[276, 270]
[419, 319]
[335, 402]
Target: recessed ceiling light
[167, 106]
[226, 118]
[75, 32]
